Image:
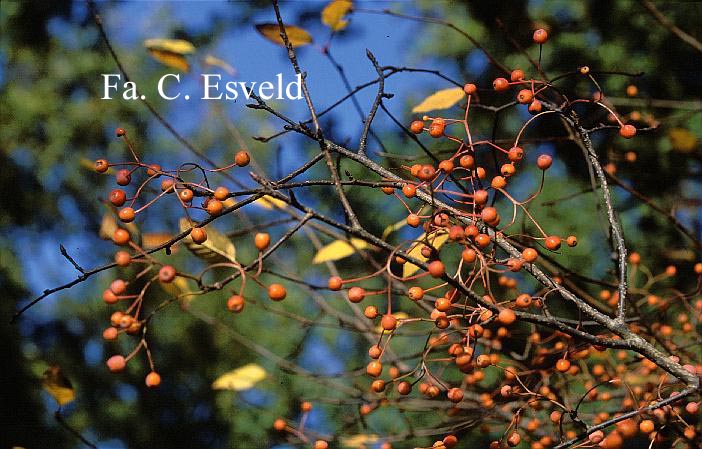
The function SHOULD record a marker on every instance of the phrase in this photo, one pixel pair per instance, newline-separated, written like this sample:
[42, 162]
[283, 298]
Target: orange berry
[153, 170]
[262, 240]
[371, 312]
[409, 190]
[335, 283]
[356, 294]
[647, 426]
[525, 96]
[374, 368]
[467, 161]
[388, 322]
[436, 268]
[321, 444]
[417, 126]
[276, 292]
[470, 89]
[553, 242]
[279, 424]
[121, 237]
[116, 363]
[437, 128]
[627, 131]
[500, 84]
[544, 161]
[516, 75]
[506, 317]
[221, 193]
[186, 195]
[242, 158]
[118, 197]
[413, 220]
[446, 166]
[469, 255]
[426, 172]
[198, 235]
[126, 215]
[153, 380]
[535, 106]
[515, 154]
[110, 333]
[529, 254]
[415, 293]
[404, 388]
[455, 395]
[571, 241]
[540, 36]
[562, 365]
[101, 166]
[482, 240]
[214, 206]
[498, 182]
[235, 303]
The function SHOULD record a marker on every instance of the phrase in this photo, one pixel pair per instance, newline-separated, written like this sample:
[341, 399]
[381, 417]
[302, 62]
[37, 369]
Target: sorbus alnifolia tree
[472, 304]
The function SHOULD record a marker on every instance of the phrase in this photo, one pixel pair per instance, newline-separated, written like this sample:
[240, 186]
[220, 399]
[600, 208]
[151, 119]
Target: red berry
[120, 132]
[470, 89]
[540, 36]
[123, 177]
[166, 274]
[153, 171]
[404, 388]
[111, 333]
[426, 172]
[118, 286]
[516, 75]
[118, 197]
[535, 107]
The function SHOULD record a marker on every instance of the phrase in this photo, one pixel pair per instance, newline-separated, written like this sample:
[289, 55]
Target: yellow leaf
[333, 14]
[442, 99]
[240, 379]
[174, 60]
[356, 441]
[108, 226]
[216, 62]
[268, 202]
[151, 240]
[58, 385]
[393, 227]
[217, 247]
[436, 239]
[398, 315]
[339, 249]
[296, 35]
[682, 140]
[177, 46]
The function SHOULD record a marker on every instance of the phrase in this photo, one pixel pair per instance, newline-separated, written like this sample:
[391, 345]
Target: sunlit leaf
[58, 385]
[296, 35]
[339, 249]
[216, 62]
[393, 227]
[442, 99]
[177, 46]
[682, 140]
[151, 240]
[243, 378]
[174, 60]
[268, 202]
[356, 441]
[108, 226]
[217, 247]
[436, 239]
[333, 14]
